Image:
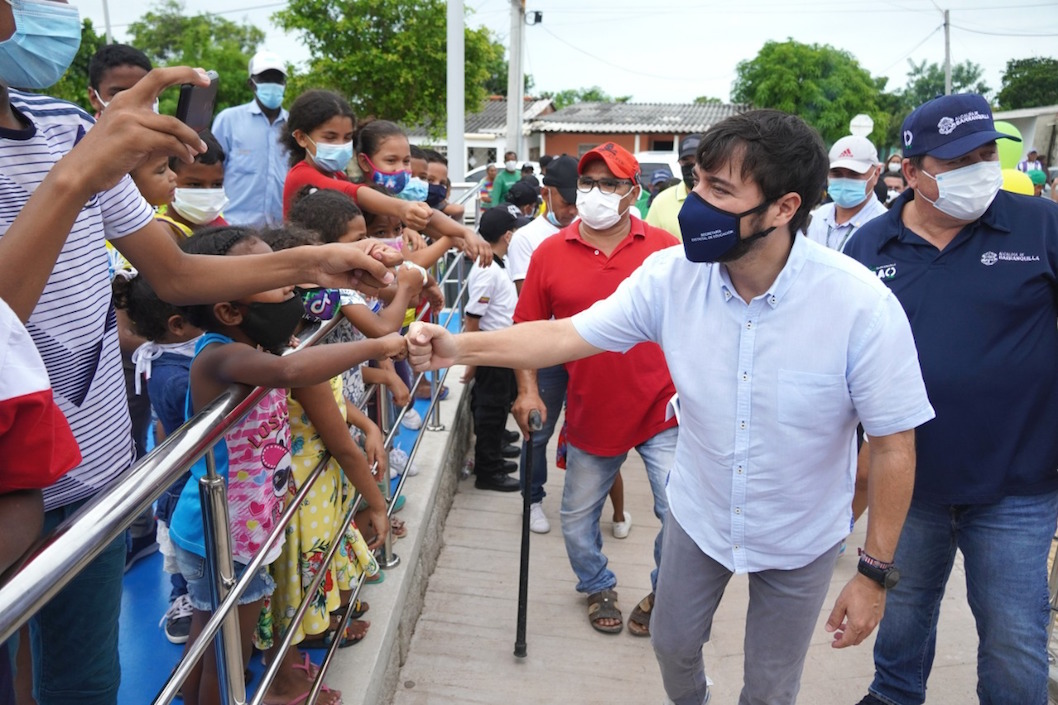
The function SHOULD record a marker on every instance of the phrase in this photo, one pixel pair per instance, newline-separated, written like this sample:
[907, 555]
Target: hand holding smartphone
[195, 107]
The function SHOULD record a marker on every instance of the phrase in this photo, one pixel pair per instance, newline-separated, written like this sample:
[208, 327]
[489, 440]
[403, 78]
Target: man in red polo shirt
[614, 402]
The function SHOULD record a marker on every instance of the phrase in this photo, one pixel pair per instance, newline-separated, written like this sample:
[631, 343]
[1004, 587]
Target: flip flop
[603, 605]
[397, 527]
[324, 641]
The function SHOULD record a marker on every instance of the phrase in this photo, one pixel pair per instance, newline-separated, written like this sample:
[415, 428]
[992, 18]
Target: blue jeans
[1005, 548]
[74, 638]
[552, 384]
[588, 481]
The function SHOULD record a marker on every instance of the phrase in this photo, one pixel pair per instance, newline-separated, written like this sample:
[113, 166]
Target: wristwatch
[885, 574]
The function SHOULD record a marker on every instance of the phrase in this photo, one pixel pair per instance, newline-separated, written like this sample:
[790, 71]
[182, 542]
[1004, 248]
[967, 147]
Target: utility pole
[456, 92]
[515, 80]
[947, 53]
[106, 23]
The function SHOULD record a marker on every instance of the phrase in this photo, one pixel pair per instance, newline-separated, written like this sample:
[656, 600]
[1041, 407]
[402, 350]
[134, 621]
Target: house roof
[1025, 112]
[492, 118]
[680, 118]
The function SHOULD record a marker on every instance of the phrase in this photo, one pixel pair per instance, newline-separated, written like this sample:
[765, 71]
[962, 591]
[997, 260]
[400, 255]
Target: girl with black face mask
[254, 457]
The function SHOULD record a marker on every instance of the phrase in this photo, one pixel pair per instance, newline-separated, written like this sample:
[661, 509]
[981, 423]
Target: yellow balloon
[1009, 150]
[1016, 181]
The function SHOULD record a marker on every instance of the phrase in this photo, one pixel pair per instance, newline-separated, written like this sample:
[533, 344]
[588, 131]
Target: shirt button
[737, 546]
[749, 324]
[745, 377]
[596, 252]
[742, 425]
[739, 470]
[772, 300]
[738, 510]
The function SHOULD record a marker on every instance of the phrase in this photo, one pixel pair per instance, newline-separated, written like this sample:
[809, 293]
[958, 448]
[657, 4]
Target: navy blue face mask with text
[711, 234]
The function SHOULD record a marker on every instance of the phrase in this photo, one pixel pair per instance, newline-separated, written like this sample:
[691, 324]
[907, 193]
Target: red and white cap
[855, 153]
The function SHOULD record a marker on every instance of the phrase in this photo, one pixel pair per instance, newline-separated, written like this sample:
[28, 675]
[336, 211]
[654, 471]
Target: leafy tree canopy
[1029, 83]
[388, 56]
[171, 38]
[595, 94]
[825, 86]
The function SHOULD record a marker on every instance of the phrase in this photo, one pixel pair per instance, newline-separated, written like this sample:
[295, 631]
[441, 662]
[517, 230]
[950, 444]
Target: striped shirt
[73, 324]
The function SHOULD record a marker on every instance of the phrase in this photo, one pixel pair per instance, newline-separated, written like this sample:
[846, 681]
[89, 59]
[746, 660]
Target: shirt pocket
[811, 399]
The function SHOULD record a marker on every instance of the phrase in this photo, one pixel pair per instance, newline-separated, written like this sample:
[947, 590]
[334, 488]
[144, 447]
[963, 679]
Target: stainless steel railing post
[434, 419]
[385, 556]
[220, 572]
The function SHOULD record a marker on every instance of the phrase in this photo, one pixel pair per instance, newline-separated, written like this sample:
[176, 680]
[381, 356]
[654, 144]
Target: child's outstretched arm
[374, 443]
[220, 365]
[329, 421]
[391, 318]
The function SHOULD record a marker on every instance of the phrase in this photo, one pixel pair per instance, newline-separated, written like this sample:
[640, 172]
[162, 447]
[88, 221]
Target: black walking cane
[535, 424]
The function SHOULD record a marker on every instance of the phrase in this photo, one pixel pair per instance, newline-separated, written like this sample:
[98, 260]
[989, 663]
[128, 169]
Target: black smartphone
[195, 107]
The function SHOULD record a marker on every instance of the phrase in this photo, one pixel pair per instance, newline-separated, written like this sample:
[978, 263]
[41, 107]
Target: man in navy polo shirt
[975, 269]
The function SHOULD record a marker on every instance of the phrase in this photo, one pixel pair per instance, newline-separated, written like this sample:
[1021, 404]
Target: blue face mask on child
[414, 190]
[332, 157]
[436, 195]
[392, 181]
[43, 45]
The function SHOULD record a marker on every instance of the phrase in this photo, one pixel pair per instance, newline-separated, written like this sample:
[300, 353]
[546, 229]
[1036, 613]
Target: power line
[1005, 34]
[913, 49]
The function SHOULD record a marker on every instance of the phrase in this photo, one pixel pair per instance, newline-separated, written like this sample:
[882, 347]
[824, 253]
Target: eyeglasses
[586, 183]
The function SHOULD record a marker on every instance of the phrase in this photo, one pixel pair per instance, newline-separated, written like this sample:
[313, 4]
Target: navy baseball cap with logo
[950, 126]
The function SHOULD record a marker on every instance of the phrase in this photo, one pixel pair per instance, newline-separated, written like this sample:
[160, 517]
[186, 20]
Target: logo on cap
[513, 210]
[947, 125]
[845, 153]
[907, 138]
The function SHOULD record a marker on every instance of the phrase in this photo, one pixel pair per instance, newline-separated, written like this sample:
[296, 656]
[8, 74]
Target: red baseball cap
[618, 160]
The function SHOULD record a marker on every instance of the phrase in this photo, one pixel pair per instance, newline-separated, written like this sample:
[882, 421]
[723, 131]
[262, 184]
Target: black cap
[544, 161]
[689, 145]
[562, 175]
[522, 194]
[495, 222]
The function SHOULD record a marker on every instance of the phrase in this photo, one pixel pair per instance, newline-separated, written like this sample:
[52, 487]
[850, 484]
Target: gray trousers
[784, 607]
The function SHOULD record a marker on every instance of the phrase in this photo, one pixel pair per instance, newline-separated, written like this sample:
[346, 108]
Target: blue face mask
[414, 190]
[553, 220]
[711, 234]
[270, 94]
[436, 195]
[332, 157]
[847, 193]
[43, 45]
[392, 181]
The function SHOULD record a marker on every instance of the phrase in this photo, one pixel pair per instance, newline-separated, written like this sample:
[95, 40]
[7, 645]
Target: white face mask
[200, 205]
[966, 193]
[106, 103]
[598, 210]
[510, 166]
[894, 167]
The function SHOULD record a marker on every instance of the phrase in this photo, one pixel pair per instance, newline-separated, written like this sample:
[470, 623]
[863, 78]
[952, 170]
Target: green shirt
[502, 184]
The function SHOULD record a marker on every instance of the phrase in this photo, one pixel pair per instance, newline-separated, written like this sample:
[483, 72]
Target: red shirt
[614, 401]
[304, 174]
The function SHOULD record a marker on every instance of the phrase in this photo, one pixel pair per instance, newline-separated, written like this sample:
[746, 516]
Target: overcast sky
[674, 50]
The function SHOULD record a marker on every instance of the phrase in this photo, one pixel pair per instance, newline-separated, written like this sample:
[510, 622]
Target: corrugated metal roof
[493, 117]
[680, 118]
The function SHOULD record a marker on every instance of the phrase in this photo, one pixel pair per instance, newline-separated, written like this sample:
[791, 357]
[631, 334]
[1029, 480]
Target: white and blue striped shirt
[73, 324]
[770, 392]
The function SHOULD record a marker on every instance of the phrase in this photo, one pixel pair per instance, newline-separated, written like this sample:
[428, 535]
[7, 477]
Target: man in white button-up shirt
[777, 347]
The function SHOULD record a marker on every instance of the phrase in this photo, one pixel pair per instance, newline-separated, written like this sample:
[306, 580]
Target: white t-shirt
[524, 243]
[74, 325]
[491, 295]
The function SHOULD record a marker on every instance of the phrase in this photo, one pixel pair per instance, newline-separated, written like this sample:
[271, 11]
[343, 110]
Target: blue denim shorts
[193, 568]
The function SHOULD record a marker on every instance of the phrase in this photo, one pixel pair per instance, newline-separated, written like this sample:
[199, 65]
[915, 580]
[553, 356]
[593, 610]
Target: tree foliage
[73, 86]
[1029, 83]
[925, 81]
[499, 67]
[171, 38]
[388, 56]
[595, 94]
[825, 86]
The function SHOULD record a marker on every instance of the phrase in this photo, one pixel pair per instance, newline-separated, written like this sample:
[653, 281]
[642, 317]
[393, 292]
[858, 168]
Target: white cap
[852, 152]
[267, 61]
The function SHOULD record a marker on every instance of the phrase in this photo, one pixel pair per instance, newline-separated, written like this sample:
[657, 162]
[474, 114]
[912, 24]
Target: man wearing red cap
[615, 402]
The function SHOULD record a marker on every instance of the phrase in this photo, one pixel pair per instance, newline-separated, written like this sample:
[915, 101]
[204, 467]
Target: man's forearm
[526, 380]
[890, 482]
[527, 345]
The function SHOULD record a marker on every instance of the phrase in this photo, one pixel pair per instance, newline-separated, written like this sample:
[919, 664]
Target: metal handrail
[57, 558]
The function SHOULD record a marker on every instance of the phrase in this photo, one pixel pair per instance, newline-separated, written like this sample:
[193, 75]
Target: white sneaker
[411, 421]
[538, 522]
[621, 528]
